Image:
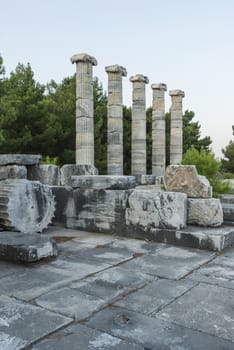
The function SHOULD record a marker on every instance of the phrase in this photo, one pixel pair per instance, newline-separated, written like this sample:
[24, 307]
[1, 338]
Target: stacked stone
[176, 144]
[138, 124]
[25, 205]
[115, 120]
[158, 130]
[84, 108]
[203, 210]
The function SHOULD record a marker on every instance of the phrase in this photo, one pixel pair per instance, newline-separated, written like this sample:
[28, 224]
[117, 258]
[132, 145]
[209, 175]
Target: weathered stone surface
[78, 305]
[148, 210]
[112, 283]
[158, 129]
[20, 159]
[101, 210]
[23, 324]
[46, 174]
[25, 206]
[84, 108]
[21, 247]
[103, 182]
[155, 295]
[13, 172]
[145, 179]
[205, 212]
[138, 124]
[176, 140]
[65, 212]
[115, 120]
[184, 178]
[83, 57]
[204, 316]
[82, 337]
[153, 333]
[170, 262]
[227, 202]
[69, 170]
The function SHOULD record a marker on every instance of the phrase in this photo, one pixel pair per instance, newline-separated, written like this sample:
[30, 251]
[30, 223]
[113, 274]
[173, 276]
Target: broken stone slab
[101, 210]
[184, 178]
[103, 182]
[13, 172]
[47, 174]
[25, 206]
[69, 170]
[21, 247]
[148, 210]
[20, 159]
[65, 211]
[205, 212]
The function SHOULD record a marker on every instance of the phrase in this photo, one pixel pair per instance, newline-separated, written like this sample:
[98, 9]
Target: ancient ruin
[158, 130]
[115, 120]
[138, 124]
[84, 108]
[176, 145]
[33, 195]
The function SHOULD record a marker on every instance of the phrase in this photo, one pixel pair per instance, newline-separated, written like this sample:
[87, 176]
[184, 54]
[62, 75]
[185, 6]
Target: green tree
[22, 116]
[207, 165]
[127, 132]
[100, 126]
[228, 152]
[191, 135]
[60, 103]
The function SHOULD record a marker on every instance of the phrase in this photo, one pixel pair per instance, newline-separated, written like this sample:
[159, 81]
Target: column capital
[83, 57]
[176, 93]
[160, 86]
[139, 78]
[116, 69]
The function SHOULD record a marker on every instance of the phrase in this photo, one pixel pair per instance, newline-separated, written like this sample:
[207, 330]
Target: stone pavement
[105, 292]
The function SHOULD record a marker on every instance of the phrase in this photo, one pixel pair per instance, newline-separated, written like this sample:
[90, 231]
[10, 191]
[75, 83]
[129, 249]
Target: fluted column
[115, 120]
[138, 124]
[84, 108]
[158, 130]
[176, 144]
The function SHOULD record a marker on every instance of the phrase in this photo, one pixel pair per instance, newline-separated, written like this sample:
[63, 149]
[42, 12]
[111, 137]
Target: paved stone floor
[105, 292]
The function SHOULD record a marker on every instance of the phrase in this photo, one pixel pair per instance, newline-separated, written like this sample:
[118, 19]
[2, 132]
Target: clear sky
[187, 44]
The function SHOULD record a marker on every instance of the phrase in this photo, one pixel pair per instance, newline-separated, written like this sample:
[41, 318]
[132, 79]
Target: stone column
[115, 120]
[176, 144]
[138, 124]
[158, 130]
[84, 108]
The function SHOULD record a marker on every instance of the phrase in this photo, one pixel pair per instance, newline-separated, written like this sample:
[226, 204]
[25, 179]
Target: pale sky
[187, 44]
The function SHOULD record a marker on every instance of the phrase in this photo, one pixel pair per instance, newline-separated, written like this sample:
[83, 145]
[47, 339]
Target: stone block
[25, 206]
[69, 170]
[21, 247]
[205, 212]
[65, 212]
[145, 179]
[47, 174]
[20, 159]
[103, 182]
[13, 172]
[227, 202]
[184, 178]
[148, 210]
[101, 210]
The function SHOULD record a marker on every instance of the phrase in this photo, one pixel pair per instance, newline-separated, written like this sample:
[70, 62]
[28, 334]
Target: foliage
[50, 160]
[127, 133]
[100, 127]
[207, 165]
[228, 152]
